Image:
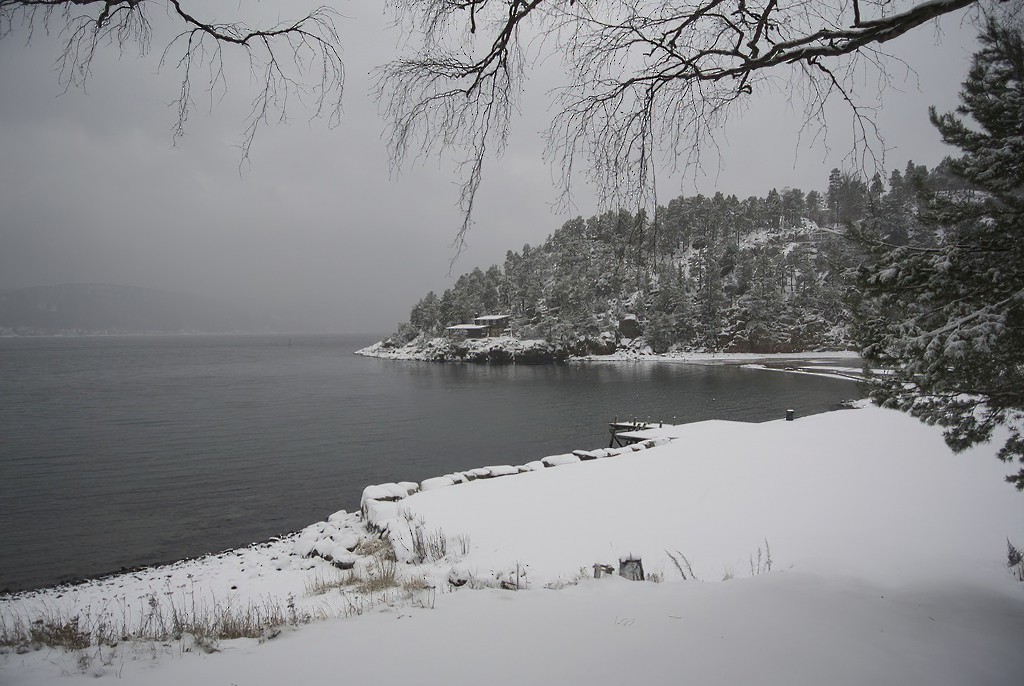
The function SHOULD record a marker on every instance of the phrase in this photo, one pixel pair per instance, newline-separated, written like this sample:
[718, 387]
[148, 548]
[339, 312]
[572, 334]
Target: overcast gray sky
[92, 189]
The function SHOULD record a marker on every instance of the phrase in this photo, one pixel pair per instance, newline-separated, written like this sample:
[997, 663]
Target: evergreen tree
[711, 272]
[773, 207]
[834, 193]
[949, 320]
[793, 207]
[425, 314]
[814, 208]
[875, 191]
[897, 186]
[847, 196]
[760, 309]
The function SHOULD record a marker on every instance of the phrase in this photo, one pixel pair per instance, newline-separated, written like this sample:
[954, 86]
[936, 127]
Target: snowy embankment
[887, 565]
[497, 350]
[512, 350]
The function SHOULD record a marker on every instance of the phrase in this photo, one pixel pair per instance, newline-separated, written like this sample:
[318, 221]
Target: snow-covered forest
[763, 274]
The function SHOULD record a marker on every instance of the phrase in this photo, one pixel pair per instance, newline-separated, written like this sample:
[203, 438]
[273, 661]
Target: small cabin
[468, 330]
[495, 324]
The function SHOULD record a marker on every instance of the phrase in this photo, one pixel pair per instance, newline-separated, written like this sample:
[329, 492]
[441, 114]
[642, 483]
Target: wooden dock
[617, 428]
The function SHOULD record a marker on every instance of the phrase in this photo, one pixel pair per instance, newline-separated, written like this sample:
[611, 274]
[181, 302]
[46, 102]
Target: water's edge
[197, 443]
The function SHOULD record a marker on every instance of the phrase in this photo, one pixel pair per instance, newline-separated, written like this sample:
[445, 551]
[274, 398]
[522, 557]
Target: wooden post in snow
[631, 568]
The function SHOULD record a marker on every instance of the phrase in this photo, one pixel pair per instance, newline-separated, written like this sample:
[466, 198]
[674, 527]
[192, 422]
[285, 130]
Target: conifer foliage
[700, 273]
[770, 274]
[949, 319]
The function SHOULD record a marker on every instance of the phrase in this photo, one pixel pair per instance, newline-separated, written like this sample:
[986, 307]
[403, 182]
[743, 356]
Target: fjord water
[125, 451]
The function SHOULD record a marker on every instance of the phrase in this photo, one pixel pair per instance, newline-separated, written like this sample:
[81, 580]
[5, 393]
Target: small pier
[617, 429]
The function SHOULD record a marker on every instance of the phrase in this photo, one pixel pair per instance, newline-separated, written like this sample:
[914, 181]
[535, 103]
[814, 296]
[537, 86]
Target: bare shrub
[514, 580]
[763, 561]
[420, 591]
[372, 546]
[175, 617]
[382, 572]
[320, 584]
[54, 629]
[427, 546]
[59, 632]
[416, 583]
[460, 578]
[354, 605]
[682, 565]
[558, 583]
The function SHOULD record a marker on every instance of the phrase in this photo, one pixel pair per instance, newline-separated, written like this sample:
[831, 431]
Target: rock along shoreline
[511, 350]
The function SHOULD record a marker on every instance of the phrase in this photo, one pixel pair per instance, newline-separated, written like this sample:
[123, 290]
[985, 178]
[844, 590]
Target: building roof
[467, 327]
[492, 318]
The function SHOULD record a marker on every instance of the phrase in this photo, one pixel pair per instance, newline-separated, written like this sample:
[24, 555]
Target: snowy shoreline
[508, 350]
[475, 350]
[869, 521]
[738, 359]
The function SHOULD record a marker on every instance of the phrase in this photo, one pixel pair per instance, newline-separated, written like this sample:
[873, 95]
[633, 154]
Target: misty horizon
[95, 189]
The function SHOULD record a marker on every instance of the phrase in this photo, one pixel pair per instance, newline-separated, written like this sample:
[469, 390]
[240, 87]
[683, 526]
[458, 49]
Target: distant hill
[761, 275]
[102, 308]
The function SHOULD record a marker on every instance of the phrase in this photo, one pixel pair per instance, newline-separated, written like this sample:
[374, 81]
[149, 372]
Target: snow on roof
[492, 318]
[467, 327]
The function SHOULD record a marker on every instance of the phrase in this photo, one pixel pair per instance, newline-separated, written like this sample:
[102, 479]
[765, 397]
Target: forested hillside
[764, 274]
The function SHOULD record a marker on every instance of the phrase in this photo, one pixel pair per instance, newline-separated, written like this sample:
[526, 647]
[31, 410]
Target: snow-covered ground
[887, 565]
[813, 367]
[529, 351]
[852, 357]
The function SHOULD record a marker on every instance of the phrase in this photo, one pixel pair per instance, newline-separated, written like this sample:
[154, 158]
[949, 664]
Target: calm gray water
[125, 451]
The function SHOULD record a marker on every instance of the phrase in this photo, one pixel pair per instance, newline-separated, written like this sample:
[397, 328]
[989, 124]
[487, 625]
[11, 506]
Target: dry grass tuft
[763, 561]
[682, 565]
[162, 617]
[320, 584]
[373, 546]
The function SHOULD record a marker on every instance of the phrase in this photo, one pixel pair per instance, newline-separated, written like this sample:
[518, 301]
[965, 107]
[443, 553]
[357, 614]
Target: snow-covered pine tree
[949, 320]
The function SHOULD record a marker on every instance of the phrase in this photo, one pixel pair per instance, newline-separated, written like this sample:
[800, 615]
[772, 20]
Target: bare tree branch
[644, 77]
[300, 58]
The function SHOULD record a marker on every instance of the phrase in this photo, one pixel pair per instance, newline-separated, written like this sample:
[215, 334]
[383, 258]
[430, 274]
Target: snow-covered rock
[501, 470]
[389, 491]
[333, 540]
[498, 350]
[558, 460]
[436, 482]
